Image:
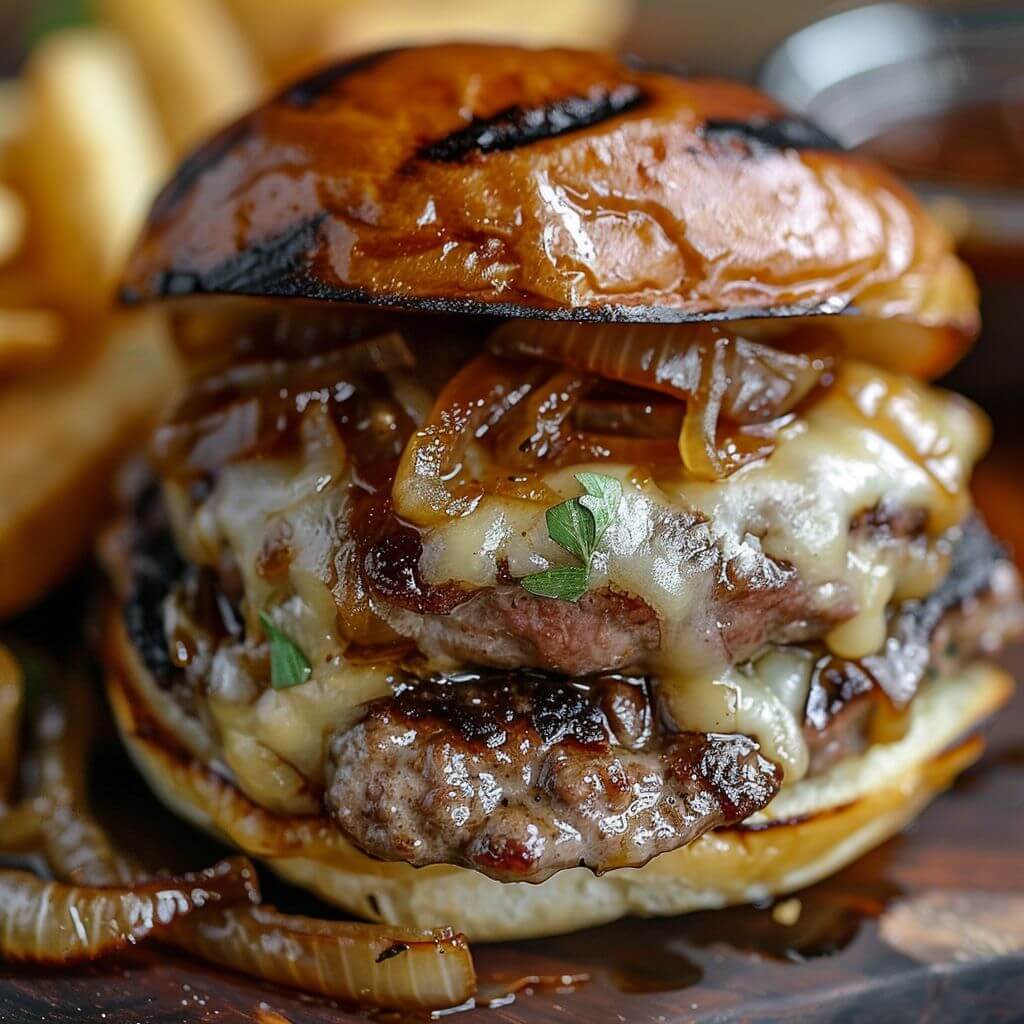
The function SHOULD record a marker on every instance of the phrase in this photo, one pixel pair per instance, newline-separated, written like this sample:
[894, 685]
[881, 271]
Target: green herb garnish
[288, 665]
[578, 525]
[567, 584]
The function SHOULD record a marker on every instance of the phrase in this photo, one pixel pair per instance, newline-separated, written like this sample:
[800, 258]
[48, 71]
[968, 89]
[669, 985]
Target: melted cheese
[873, 438]
[303, 500]
[273, 741]
[676, 542]
[796, 507]
[764, 699]
[872, 577]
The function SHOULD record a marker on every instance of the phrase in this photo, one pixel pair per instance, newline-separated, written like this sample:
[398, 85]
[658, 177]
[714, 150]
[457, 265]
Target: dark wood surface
[966, 851]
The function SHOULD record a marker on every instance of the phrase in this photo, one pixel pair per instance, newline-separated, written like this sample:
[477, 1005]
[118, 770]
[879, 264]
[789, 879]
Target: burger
[557, 523]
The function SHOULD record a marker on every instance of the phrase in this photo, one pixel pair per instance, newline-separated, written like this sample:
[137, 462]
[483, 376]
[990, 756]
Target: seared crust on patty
[523, 777]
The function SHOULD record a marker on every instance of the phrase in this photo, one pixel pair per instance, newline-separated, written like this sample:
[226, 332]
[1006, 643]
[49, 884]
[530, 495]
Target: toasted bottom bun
[810, 830]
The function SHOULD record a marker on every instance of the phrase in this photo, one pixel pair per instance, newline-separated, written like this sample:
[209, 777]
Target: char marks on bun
[555, 184]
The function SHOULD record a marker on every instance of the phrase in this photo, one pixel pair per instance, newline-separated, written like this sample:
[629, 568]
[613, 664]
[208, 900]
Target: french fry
[284, 35]
[21, 286]
[91, 160]
[367, 27]
[198, 65]
[12, 223]
[61, 438]
[28, 337]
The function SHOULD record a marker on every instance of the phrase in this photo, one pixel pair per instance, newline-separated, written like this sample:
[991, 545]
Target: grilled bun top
[549, 183]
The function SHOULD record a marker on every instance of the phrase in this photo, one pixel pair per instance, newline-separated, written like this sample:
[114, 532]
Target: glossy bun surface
[547, 183]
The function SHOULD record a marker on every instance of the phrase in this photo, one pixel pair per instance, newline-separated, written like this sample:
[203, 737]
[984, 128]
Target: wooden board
[957, 878]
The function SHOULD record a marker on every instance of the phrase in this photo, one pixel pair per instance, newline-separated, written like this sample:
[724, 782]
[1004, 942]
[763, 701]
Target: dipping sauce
[980, 145]
[967, 163]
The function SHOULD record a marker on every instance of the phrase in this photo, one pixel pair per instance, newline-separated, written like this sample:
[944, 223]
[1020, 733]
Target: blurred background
[99, 98]
[728, 36]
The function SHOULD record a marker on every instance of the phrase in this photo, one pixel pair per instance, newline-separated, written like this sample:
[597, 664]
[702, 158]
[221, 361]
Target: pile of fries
[87, 134]
[81, 154]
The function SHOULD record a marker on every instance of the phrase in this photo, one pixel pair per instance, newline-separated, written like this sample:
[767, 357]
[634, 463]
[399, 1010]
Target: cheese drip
[764, 699]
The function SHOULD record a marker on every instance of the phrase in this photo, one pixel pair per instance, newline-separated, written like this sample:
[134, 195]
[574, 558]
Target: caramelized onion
[379, 965]
[333, 959]
[374, 964]
[634, 451]
[540, 427]
[209, 914]
[74, 844]
[11, 696]
[708, 451]
[383, 353]
[760, 382]
[636, 432]
[429, 486]
[52, 923]
[733, 387]
[206, 443]
[641, 417]
[249, 405]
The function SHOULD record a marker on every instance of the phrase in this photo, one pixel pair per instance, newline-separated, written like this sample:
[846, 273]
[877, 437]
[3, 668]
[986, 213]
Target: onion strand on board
[74, 844]
[381, 965]
[390, 967]
[53, 923]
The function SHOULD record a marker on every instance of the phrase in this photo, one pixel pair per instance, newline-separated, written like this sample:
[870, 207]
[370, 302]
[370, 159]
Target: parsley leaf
[577, 525]
[567, 584]
[571, 526]
[288, 665]
[602, 500]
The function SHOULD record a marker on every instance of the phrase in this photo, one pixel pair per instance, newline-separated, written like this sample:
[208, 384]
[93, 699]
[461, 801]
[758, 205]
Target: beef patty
[522, 777]
[519, 775]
